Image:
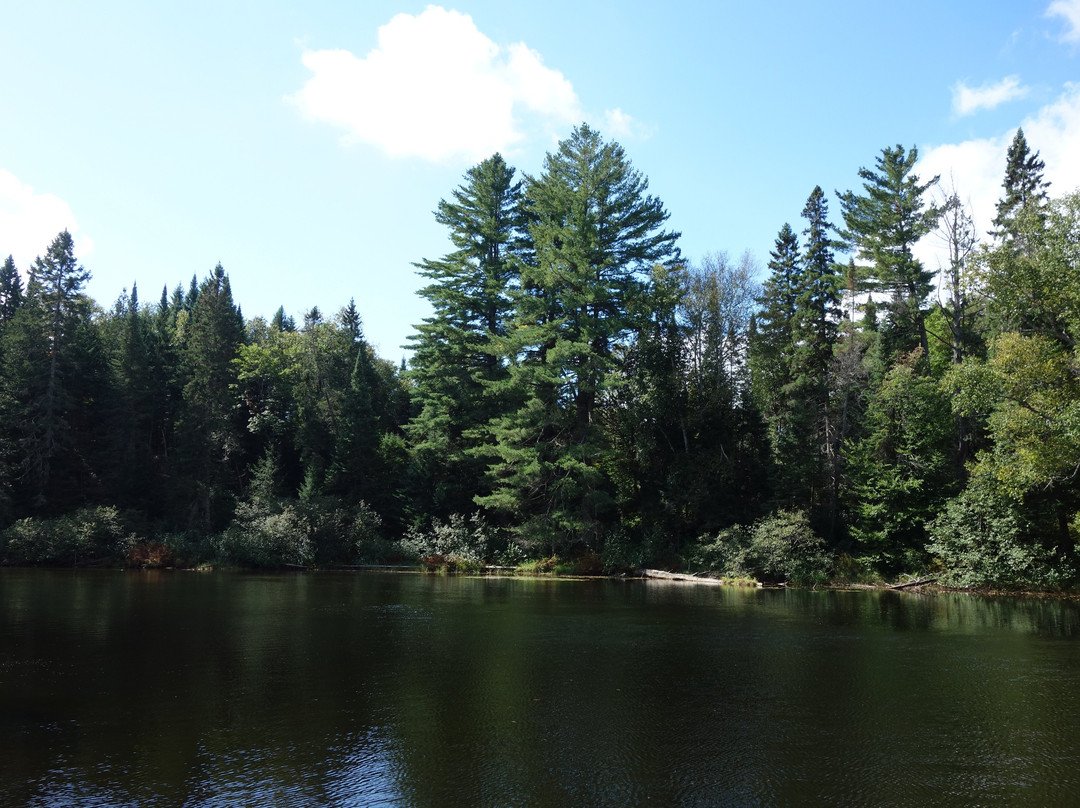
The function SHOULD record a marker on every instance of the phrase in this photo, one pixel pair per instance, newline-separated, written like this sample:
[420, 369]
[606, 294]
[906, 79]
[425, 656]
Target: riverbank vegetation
[583, 392]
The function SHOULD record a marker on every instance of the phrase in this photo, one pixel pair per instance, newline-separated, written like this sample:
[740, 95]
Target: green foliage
[724, 553]
[269, 537]
[902, 470]
[1037, 289]
[1029, 387]
[984, 539]
[455, 365]
[85, 535]
[1025, 195]
[11, 291]
[883, 224]
[470, 541]
[595, 233]
[367, 532]
[783, 547]
[780, 548]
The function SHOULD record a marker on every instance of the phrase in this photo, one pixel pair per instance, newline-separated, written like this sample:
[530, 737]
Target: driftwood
[680, 576]
[929, 579]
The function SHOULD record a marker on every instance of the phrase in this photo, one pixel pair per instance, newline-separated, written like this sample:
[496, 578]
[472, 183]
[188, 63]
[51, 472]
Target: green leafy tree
[902, 470]
[1037, 290]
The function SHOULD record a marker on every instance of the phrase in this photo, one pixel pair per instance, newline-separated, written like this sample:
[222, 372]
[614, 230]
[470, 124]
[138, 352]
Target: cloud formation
[1070, 10]
[29, 222]
[977, 167]
[968, 100]
[436, 87]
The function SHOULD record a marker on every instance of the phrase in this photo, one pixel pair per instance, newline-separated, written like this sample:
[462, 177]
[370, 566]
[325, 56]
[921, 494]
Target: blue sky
[305, 147]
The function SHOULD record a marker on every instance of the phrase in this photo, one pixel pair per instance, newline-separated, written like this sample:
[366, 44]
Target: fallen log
[680, 576]
[929, 579]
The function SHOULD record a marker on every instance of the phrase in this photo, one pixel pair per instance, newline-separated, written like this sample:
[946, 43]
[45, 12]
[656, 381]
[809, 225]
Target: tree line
[583, 392]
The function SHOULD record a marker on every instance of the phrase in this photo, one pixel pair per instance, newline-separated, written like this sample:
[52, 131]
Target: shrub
[783, 547]
[459, 540]
[982, 539]
[261, 537]
[725, 553]
[86, 534]
[149, 554]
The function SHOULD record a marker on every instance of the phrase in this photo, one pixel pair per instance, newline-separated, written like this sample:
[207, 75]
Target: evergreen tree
[11, 291]
[56, 289]
[792, 356]
[817, 305]
[282, 321]
[1025, 193]
[817, 313]
[351, 324]
[455, 368]
[139, 388]
[355, 473]
[883, 224]
[582, 301]
[210, 429]
[773, 345]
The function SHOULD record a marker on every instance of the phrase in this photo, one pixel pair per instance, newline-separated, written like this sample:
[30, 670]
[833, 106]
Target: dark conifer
[1025, 193]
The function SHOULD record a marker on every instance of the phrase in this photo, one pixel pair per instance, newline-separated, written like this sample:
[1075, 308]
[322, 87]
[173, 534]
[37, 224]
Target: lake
[339, 689]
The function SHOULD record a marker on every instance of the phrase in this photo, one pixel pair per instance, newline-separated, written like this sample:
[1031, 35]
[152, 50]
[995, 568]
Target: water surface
[221, 689]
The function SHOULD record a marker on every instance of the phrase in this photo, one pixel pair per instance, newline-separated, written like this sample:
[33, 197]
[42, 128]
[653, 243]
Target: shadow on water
[161, 689]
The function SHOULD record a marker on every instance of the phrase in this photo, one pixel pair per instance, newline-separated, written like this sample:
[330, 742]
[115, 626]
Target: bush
[623, 552]
[262, 537]
[370, 544]
[983, 540]
[725, 553]
[84, 535]
[460, 541]
[148, 554]
[781, 547]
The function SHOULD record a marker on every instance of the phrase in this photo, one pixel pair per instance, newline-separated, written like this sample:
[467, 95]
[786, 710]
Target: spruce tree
[210, 425]
[1025, 193]
[772, 347]
[817, 305]
[56, 289]
[11, 291]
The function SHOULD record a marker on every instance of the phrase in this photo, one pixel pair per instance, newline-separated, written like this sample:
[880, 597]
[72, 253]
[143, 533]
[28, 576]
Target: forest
[582, 398]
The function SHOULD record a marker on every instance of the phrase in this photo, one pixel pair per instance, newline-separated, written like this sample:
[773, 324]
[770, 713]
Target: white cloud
[1070, 10]
[619, 125]
[436, 87]
[977, 167]
[29, 222]
[967, 100]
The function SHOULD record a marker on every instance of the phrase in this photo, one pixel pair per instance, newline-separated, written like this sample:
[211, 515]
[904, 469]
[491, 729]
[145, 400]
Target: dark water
[215, 689]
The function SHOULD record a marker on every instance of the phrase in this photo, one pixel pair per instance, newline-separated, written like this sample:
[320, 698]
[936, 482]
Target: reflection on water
[163, 689]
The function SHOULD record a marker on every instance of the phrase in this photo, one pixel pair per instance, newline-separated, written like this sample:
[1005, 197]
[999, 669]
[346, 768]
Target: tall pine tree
[596, 233]
[455, 367]
[883, 225]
